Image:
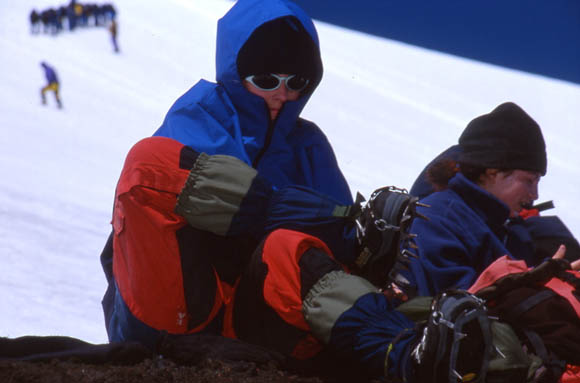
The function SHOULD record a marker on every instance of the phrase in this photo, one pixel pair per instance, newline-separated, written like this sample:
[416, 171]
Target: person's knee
[155, 151]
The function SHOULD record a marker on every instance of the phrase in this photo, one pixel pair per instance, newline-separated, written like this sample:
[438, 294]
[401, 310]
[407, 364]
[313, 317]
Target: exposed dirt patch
[148, 371]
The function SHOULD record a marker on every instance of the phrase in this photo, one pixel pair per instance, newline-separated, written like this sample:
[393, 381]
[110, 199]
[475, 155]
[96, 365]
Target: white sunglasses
[270, 81]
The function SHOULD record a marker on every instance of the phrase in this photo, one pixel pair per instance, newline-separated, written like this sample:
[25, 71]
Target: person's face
[518, 189]
[275, 99]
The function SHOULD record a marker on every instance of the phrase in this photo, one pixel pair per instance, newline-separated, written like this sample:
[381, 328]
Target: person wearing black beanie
[280, 46]
[279, 62]
[503, 152]
[479, 186]
[207, 178]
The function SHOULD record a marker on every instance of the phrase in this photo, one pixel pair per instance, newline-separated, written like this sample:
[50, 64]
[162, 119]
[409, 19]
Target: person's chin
[514, 212]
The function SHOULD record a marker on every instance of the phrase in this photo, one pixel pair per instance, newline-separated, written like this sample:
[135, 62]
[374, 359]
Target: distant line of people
[71, 16]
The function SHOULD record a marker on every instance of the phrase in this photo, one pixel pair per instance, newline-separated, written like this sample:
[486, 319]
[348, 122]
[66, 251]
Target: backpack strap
[550, 361]
[528, 303]
[537, 343]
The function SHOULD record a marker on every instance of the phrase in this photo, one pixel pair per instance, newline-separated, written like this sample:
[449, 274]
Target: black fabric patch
[107, 258]
[314, 264]
[187, 157]
[230, 255]
[201, 253]
[108, 300]
[254, 320]
[253, 207]
[199, 282]
[64, 348]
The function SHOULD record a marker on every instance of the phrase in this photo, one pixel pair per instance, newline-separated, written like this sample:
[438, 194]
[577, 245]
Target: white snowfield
[388, 108]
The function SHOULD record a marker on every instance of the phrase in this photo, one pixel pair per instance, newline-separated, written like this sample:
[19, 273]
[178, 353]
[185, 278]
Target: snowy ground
[388, 109]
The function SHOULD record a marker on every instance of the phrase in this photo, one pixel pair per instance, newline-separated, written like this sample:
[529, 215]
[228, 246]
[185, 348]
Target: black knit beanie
[280, 46]
[506, 138]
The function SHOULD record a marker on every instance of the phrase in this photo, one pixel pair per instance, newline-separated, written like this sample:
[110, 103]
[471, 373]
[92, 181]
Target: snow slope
[388, 109]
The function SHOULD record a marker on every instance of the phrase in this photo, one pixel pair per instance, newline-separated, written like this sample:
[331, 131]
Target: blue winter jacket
[224, 118]
[465, 233]
[532, 239]
[291, 154]
[49, 73]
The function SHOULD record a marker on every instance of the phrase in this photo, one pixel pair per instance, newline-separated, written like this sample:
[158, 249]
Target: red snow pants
[268, 301]
[170, 276]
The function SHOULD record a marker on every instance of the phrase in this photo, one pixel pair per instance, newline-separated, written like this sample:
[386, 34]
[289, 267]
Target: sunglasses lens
[265, 81]
[272, 82]
[297, 83]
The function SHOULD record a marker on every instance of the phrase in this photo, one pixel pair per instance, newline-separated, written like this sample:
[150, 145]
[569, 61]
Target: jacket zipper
[267, 143]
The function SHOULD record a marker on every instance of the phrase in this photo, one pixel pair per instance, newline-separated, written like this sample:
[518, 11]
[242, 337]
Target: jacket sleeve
[214, 191]
[224, 195]
[324, 174]
[358, 322]
[453, 248]
[201, 119]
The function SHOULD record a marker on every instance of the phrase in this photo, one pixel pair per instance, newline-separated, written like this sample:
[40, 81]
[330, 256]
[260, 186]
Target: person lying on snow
[501, 159]
[529, 232]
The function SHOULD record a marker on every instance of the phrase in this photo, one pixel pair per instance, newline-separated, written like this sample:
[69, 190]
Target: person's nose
[534, 191]
[281, 93]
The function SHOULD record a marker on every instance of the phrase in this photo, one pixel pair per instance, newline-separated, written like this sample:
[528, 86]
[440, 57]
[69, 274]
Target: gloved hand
[191, 349]
[536, 276]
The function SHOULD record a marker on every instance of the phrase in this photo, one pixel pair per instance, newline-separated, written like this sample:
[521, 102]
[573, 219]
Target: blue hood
[225, 118]
[234, 30]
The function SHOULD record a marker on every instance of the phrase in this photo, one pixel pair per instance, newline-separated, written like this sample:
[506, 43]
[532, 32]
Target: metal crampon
[383, 233]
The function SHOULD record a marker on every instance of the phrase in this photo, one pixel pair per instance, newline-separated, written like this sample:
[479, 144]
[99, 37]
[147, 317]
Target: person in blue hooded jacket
[499, 162]
[253, 115]
[231, 161]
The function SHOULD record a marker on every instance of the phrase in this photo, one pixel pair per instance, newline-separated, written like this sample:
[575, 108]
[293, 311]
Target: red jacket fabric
[149, 258]
[503, 267]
